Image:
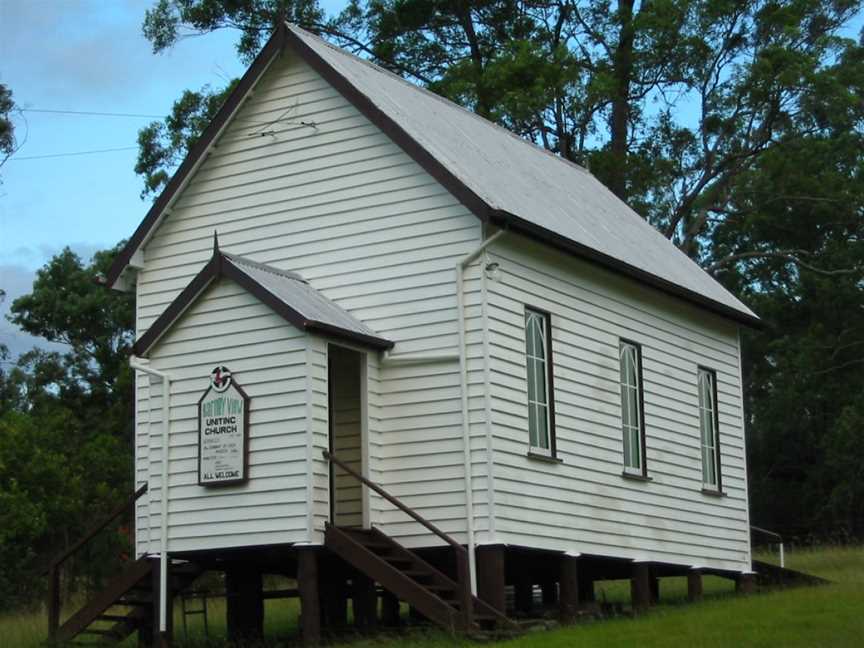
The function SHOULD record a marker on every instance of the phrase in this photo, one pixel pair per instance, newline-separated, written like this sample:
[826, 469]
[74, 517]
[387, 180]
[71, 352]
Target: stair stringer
[391, 579]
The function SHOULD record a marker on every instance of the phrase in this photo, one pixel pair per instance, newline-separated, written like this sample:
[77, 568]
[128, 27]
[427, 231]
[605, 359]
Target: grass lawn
[832, 615]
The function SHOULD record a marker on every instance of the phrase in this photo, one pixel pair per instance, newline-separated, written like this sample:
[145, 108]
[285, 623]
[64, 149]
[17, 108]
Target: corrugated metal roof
[293, 291]
[516, 177]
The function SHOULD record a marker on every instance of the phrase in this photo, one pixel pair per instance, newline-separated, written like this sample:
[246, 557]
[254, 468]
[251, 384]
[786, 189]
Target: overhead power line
[91, 113]
[57, 155]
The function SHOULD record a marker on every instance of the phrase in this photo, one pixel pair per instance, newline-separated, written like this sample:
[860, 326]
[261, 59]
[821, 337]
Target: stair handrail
[775, 535]
[464, 577]
[53, 569]
[96, 528]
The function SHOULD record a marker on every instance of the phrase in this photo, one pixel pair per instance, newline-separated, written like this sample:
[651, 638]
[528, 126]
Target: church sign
[223, 431]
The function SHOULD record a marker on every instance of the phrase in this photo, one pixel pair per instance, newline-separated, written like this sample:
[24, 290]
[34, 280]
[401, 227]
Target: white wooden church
[391, 350]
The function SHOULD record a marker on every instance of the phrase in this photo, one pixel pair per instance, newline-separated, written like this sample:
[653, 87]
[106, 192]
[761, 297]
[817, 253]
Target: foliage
[792, 241]
[8, 141]
[163, 145]
[65, 423]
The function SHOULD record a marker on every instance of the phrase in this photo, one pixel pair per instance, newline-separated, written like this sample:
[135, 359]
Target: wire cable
[57, 155]
[90, 113]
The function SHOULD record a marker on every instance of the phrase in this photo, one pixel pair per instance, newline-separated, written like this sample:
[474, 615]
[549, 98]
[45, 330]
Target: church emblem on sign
[223, 431]
[220, 378]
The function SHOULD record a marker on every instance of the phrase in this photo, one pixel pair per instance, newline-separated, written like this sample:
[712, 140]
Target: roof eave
[282, 37]
[515, 223]
[220, 266]
[480, 207]
[180, 305]
[377, 343]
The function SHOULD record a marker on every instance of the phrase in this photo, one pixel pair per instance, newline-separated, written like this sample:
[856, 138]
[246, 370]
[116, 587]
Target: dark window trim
[539, 457]
[718, 463]
[635, 477]
[642, 444]
[550, 378]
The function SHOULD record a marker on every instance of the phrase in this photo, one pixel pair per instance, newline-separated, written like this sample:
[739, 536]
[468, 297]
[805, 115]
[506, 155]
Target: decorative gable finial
[215, 242]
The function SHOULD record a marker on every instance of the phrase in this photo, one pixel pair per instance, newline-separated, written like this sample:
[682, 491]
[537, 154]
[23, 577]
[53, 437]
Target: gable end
[284, 36]
[227, 266]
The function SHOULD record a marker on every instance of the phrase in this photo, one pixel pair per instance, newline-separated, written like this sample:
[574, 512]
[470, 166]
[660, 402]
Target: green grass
[832, 615]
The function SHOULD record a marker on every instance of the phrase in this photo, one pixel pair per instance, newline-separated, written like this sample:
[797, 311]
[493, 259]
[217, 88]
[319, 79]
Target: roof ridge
[288, 274]
[437, 97]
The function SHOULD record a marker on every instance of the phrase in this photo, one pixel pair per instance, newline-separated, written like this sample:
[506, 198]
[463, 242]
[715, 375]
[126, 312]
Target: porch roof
[287, 293]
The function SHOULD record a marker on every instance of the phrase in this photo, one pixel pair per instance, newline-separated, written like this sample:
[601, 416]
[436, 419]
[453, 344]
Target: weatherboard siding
[337, 201]
[583, 504]
[318, 438]
[147, 396]
[271, 507]
[302, 181]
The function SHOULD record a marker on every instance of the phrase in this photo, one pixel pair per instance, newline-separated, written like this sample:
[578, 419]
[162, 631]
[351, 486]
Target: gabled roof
[287, 293]
[500, 177]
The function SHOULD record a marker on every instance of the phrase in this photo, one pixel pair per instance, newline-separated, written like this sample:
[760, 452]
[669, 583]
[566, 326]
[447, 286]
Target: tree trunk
[622, 62]
[463, 11]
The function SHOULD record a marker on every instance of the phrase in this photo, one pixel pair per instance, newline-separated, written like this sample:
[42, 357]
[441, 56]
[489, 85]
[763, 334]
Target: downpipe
[463, 379]
[138, 365]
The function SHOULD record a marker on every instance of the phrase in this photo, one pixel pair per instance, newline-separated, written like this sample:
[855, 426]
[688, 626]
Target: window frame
[642, 471]
[550, 453]
[716, 488]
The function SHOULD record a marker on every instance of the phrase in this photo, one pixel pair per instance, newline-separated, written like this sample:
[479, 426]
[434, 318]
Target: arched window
[632, 414]
[709, 433]
[538, 358]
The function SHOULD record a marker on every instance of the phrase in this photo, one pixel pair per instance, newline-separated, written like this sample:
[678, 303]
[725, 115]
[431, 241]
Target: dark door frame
[361, 374]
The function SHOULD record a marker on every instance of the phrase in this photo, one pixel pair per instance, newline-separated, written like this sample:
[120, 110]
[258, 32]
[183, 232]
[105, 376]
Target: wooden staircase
[444, 601]
[126, 604]
[413, 580]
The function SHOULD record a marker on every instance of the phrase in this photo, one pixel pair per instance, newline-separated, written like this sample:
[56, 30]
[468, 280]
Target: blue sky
[84, 55]
[88, 55]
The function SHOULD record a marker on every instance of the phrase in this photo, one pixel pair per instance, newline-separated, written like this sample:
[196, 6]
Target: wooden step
[134, 602]
[132, 588]
[485, 617]
[400, 583]
[132, 621]
[99, 632]
[108, 597]
[417, 574]
[112, 617]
